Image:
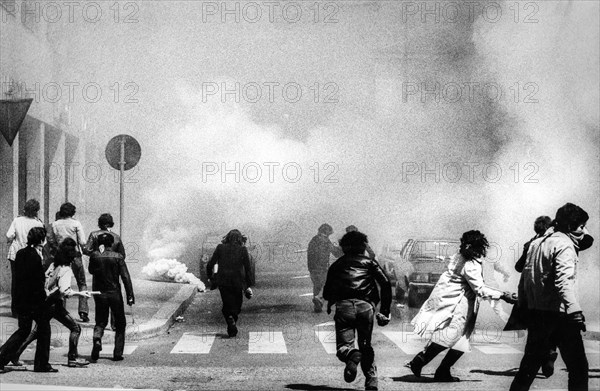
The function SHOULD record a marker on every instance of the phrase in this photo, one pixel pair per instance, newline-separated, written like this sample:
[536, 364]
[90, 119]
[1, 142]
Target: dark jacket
[356, 277]
[521, 262]
[234, 265]
[106, 268]
[30, 294]
[92, 243]
[318, 252]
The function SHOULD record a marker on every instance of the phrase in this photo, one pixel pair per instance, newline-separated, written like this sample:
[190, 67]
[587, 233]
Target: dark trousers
[354, 317]
[42, 351]
[232, 298]
[13, 288]
[79, 273]
[58, 312]
[318, 278]
[111, 301]
[545, 329]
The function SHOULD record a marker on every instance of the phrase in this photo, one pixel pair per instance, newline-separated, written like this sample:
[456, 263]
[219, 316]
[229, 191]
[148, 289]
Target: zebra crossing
[274, 342]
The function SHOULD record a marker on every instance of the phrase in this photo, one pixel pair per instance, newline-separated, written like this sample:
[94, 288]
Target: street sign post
[122, 152]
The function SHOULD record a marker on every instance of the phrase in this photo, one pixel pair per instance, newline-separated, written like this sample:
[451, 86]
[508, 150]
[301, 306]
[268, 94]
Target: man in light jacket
[69, 227]
[547, 291]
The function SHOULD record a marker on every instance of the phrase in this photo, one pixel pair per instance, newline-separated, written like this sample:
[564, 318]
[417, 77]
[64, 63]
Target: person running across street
[351, 285]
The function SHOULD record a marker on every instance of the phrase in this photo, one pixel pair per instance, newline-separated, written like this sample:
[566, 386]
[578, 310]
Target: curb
[158, 324]
[165, 316]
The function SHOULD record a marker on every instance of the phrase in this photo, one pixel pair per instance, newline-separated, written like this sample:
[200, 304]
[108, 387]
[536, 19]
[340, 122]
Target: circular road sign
[133, 152]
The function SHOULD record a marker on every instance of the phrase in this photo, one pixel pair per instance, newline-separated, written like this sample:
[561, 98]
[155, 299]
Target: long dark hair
[473, 245]
[66, 253]
[234, 237]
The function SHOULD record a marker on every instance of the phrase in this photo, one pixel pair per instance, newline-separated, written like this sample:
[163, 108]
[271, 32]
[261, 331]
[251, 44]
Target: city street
[282, 344]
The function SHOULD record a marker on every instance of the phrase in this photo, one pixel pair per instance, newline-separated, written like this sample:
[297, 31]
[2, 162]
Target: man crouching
[351, 286]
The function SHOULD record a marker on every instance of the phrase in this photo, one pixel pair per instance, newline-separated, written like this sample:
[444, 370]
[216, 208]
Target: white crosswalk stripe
[268, 342]
[497, 349]
[592, 346]
[194, 344]
[409, 343]
[107, 349]
[327, 339]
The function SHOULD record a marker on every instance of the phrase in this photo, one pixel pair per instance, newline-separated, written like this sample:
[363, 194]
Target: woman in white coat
[448, 316]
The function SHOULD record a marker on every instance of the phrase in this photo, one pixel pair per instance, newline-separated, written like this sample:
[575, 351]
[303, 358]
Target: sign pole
[121, 186]
[122, 159]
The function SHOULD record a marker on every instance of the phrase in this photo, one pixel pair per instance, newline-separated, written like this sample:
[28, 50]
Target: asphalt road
[282, 345]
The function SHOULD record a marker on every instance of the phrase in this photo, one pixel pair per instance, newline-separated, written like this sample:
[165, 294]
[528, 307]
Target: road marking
[306, 294]
[330, 323]
[497, 349]
[107, 349]
[194, 344]
[409, 343]
[267, 342]
[592, 346]
[327, 339]
[297, 277]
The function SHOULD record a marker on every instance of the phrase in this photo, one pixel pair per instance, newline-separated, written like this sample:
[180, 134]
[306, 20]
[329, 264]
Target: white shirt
[17, 233]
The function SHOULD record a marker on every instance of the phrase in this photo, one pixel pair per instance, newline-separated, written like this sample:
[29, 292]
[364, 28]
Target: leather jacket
[106, 268]
[356, 277]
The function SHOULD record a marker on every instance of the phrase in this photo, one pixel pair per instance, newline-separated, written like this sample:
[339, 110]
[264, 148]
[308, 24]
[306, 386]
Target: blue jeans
[354, 317]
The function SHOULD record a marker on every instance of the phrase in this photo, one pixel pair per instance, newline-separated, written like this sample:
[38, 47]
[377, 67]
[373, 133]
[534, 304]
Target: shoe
[443, 375]
[96, 351]
[415, 367]
[77, 363]
[318, 304]
[84, 317]
[232, 329]
[47, 369]
[548, 365]
[351, 365]
[118, 358]
[371, 383]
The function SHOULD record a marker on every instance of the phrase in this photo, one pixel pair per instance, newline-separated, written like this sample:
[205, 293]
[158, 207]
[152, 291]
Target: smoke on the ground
[171, 270]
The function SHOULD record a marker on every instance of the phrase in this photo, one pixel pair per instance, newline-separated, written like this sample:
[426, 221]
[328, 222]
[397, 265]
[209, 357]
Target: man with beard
[547, 291]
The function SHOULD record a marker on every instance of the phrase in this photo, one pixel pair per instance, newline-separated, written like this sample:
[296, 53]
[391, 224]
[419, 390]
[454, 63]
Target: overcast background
[509, 133]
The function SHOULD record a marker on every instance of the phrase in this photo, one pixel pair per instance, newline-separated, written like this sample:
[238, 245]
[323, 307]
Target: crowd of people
[43, 262]
[546, 304]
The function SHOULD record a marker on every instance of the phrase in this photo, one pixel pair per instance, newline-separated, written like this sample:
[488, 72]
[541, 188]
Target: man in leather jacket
[106, 267]
[352, 285]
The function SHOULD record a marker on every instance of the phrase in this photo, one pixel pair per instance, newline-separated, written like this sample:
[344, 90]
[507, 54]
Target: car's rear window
[427, 251]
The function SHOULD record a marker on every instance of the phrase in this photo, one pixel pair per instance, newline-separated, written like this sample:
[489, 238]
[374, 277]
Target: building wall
[39, 164]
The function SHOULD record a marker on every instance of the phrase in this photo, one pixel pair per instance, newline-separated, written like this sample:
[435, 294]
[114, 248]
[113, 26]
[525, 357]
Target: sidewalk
[157, 304]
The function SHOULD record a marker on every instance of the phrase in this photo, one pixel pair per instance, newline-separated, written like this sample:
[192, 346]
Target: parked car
[417, 266]
[209, 244]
